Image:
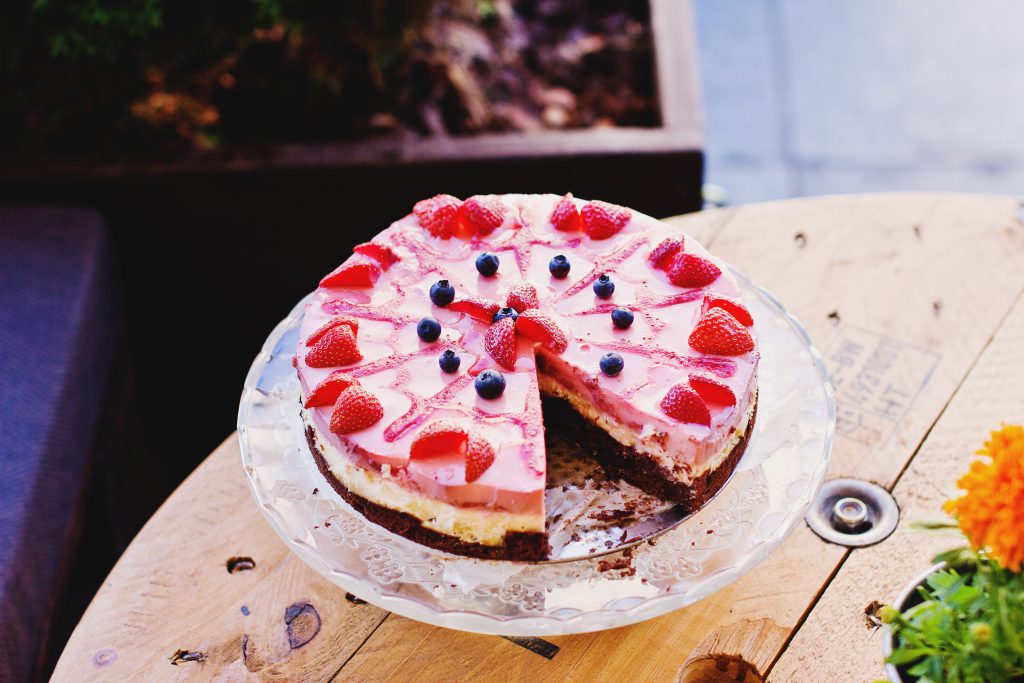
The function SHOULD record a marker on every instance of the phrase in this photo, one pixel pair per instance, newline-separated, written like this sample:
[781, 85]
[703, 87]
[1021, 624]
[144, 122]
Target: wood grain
[171, 591]
[990, 396]
[915, 283]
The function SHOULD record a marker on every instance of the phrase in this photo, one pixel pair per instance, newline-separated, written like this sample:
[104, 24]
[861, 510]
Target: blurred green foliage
[88, 75]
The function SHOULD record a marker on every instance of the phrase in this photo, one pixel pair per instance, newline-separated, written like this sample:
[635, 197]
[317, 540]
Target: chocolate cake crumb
[623, 564]
[610, 515]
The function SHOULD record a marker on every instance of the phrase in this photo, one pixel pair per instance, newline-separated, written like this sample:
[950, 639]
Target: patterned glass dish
[769, 493]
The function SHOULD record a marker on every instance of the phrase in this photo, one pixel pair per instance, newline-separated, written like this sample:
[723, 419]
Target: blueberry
[604, 287]
[428, 329]
[611, 364]
[559, 266]
[442, 293]
[490, 384]
[449, 361]
[505, 313]
[622, 318]
[487, 264]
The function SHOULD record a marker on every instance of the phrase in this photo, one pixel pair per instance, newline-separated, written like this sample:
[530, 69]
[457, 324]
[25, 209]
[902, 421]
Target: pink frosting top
[403, 372]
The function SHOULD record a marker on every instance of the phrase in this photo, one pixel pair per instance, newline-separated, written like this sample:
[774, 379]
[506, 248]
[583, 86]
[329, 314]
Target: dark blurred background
[174, 176]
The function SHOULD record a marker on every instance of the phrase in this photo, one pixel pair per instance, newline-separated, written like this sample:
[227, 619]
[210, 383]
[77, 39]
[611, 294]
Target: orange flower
[991, 511]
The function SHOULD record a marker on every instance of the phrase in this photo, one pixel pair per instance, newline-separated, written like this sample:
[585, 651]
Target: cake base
[529, 546]
[617, 460]
[638, 469]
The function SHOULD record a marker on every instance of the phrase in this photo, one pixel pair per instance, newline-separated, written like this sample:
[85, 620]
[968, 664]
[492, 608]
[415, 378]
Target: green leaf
[905, 656]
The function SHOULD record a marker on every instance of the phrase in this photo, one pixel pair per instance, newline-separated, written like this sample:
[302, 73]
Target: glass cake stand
[690, 558]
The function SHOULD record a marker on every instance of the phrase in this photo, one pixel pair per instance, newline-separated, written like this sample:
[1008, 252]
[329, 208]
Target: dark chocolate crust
[638, 469]
[518, 545]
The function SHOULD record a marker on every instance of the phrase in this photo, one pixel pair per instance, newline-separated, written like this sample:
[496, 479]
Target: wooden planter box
[656, 170]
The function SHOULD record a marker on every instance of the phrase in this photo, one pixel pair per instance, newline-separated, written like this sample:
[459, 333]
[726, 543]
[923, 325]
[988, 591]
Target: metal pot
[907, 598]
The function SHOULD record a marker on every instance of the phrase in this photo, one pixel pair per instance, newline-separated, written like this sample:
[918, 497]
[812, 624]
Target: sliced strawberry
[684, 404]
[738, 310]
[482, 214]
[661, 256]
[566, 217]
[601, 220]
[712, 389]
[327, 392]
[688, 270]
[719, 333]
[352, 274]
[476, 308]
[538, 327]
[522, 296]
[500, 342]
[381, 253]
[336, 347]
[479, 456]
[440, 437]
[438, 215]
[355, 409]
[352, 324]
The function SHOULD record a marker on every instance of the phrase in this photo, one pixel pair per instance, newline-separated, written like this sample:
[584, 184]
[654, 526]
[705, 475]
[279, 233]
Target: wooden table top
[915, 302]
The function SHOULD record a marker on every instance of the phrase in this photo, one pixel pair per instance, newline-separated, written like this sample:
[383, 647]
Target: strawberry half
[327, 392]
[479, 457]
[566, 217]
[719, 333]
[522, 296]
[476, 308]
[482, 214]
[712, 389]
[381, 253]
[438, 214]
[538, 327]
[440, 437]
[738, 310]
[500, 342]
[354, 274]
[684, 404]
[336, 347]
[355, 409]
[688, 270]
[601, 220]
[661, 256]
[351, 323]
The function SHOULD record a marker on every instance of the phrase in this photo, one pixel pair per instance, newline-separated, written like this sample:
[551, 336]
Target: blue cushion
[58, 326]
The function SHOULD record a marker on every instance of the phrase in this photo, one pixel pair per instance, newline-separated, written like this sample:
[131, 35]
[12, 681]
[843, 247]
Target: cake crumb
[623, 564]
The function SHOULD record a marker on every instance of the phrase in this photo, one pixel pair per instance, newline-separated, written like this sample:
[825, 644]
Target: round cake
[432, 358]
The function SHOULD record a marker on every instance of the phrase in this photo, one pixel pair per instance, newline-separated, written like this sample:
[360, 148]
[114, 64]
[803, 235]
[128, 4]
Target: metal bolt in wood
[853, 513]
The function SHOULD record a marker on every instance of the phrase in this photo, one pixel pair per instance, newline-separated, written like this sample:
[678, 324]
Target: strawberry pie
[432, 359]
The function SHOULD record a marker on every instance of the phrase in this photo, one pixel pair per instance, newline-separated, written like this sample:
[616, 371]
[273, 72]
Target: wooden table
[915, 301]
